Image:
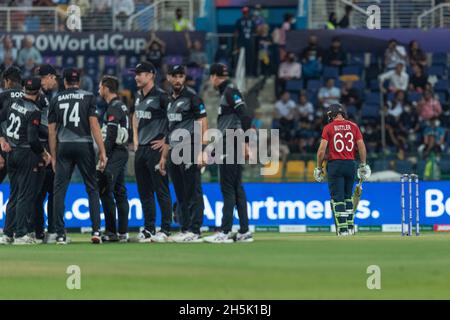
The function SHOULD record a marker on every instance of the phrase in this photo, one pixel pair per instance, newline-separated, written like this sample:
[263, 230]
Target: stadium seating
[278, 175]
[295, 169]
[331, 72]
[294, 85]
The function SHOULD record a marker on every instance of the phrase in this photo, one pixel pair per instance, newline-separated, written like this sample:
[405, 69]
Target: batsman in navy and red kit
[342, 138]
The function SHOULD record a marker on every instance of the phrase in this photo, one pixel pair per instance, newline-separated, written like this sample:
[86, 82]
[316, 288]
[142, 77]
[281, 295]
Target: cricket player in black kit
[25, 151]
[113, 191]
[233, 115]
[186, 111]
[150, 128]
[72, 124]
[44, 187]
[12, 82]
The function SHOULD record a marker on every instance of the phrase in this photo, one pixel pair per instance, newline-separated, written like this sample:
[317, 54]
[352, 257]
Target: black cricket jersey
[70, 110]
[183, 111]
[116, 115]
[232, 109]
[23, 119]
[43, 104]
[151, 114]
[5, 100]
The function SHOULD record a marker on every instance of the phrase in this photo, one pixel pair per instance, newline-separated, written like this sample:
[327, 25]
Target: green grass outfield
[275, 266]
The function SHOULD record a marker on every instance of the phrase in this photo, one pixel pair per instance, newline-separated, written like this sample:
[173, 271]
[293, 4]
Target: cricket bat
[357, 195]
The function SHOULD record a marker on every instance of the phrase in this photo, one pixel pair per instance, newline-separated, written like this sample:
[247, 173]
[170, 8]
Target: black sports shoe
[110, 237]
[61, 239]
[145, 236]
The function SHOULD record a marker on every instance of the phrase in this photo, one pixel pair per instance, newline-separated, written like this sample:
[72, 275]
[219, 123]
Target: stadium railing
[29, 19]
[394, 13]
[436, 17]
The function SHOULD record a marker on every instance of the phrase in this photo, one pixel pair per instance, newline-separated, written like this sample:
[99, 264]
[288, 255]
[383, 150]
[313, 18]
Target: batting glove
[364, 171]
[318, 174]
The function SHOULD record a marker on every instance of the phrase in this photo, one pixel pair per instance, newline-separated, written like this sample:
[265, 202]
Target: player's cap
[12, 73]
[32, 83]
[176, 69]
[335, 109]
[71, 75]
[219, 69]
[45, 70]
[145, 66]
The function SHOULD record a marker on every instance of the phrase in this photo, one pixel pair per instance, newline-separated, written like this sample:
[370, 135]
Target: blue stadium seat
[414, 96]
[128, 81]
[352, 111]
[294, 96]
[442, 97]
[132, 61]
[313, 85]
[390, 96]
[52, 60]
[112, 71]
[381, 165]
[371, 111]
[312, 97]
[372, 98]
[294, 85]
[374, 85]
[444, 165]
[174, 60]
[195, 73]
[403, 166]
[91, 62]
[360, 85]
[420, 168]
[331, 72]
[111, 61]
[355, 69]
[374, 59]
[439, 59]
[438, 71]
[69, 61]
[357, 59]
[93, 73]
[441, 85]
[32, 24]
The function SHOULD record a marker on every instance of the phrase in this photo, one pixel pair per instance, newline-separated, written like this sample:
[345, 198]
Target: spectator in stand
[122, 10]
[155, 50]
[416, 55]
[101, 13]
[330, 94]
[433, 138]
[312, 50]
[28, 52]
[419, 80]
[280, 34]
[345, 21]
[86, 82]
[306, 134]
[264, 52]
[197, 56]
[84, 6]
[335, 56]
[311, 66]
[350, 96]
[223, 54]
[398, 79]
[332, 21]
[288, 70]
[409, 125]
[372, 137]
[181, 24]
[394, 110]
[244, 34]
[394, 55]
[429, 107]
[7, 49]
[28, 68]
[259, 18]
[284, 116]
[7, 62]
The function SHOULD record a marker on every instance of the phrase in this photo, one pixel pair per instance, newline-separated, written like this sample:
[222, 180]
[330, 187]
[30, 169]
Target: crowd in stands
[407, 87]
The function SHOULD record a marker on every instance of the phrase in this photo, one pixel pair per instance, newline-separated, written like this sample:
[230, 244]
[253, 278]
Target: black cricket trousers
[149, 181]
[341, 178]
[187, 182]
[82, 155]
[23, 172]
[113, 191]
[44, 188]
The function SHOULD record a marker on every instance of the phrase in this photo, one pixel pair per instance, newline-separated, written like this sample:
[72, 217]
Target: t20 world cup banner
[282, 204]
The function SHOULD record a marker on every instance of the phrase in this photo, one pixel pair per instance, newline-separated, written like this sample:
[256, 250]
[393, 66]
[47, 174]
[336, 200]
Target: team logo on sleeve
[237, 99]
[202, 108]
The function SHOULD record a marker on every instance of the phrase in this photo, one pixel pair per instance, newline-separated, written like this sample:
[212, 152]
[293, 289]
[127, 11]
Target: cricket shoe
[50, 238]
[96, 237]
[160, 237]
[123, 237]
[5, 240]
[176, 237]
[145, 236]
[37, 239]
[343, 234]
[61, 240]
[244, 237]
[23, 241]
[189, 237]
[219, 237]
[110, 237]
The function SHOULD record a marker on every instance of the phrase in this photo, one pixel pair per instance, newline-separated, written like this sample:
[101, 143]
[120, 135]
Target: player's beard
[177, 88]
